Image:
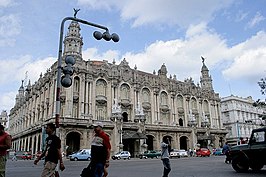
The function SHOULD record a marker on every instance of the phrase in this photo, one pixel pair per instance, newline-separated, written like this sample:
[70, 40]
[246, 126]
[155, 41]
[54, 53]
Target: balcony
[146, 105]
[101, 99]
[164, 108]
[125, 102]
[180, 110]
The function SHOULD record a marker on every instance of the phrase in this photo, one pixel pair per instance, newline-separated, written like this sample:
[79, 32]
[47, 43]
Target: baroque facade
[240, 117]
[188, 114]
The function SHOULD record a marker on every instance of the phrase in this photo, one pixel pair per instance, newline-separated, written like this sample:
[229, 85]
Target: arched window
[146, 95]
[164, 98]
[101, 87]
[125, 91]
[180, 101]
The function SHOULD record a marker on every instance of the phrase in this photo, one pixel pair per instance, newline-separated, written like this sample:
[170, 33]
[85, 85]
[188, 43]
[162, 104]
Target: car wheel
[88, 158]
[256, 166]
[113, 158]
[156, 157]
[118, 158]
[128, 158]
[76, 159]
[240, 164]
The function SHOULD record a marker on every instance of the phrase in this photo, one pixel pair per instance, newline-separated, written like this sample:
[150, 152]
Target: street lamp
[66, 81]
[118, 118]
[192, 120]
[140, 117]
[192, 123]
[205, 122]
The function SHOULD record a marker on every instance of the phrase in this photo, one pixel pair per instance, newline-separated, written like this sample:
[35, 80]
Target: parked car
[150, 154]
[83, 154]
[174, 153]
[22, 155]
[218, 151]
[203, 152]
[122, 155]
[27, 156]
[183, 153]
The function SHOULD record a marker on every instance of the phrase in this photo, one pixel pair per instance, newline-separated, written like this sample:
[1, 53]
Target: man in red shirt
[100, 150]
[5, 143]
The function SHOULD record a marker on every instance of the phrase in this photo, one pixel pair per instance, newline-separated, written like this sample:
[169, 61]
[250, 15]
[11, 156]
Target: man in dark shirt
[100, 150]
[52, 152]
[225, 151]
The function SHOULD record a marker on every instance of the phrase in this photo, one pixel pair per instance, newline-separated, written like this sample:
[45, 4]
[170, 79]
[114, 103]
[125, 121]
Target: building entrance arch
[125, 117]
[149, 142]
[72, 142]
[183, 142]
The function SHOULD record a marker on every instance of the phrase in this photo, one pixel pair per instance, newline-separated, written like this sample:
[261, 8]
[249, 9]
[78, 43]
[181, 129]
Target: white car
[183, 153]
[122, 155]
[83, 154]
[174, 153]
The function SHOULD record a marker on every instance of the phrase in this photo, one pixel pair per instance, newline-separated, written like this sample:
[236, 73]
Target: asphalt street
[213, 166]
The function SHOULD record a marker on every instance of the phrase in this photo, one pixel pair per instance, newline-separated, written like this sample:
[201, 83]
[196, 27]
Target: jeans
[167, 167]
[98, 171]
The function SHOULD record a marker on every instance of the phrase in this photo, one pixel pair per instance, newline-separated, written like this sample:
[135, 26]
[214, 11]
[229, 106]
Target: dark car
[251, 155]
[203, 152]
[150, 154]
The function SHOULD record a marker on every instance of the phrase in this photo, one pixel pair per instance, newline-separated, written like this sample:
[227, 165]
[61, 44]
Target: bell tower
[205, 79]
[73, 41]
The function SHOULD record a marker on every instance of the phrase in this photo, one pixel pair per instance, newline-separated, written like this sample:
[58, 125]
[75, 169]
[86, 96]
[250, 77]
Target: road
[184, 167]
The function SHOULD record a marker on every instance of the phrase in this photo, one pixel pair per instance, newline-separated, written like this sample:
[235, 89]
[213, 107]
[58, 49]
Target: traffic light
[68, 70]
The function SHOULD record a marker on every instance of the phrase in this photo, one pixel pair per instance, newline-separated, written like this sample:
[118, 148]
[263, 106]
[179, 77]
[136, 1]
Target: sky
[229, 34]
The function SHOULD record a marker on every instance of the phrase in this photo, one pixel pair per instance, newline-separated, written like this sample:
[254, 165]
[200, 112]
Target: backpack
[87, 171]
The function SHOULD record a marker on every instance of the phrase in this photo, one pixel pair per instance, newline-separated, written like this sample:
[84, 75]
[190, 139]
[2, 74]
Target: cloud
[249, 59]
[248, 65]
[12, 71]
[170, 12]
[9, 28]
[255, 20]
[7, 100]
[18, 67]
[93, 54]
[6, 3]
[182, 57]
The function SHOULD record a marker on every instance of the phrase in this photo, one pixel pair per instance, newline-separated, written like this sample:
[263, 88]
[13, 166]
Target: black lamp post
[66, 80]
[118, 119]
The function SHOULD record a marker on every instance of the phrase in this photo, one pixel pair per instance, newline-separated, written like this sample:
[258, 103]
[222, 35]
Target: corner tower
[73, 41]
[205, 79]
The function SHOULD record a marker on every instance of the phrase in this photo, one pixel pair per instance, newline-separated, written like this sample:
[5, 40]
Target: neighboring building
[4, 118]
[188, 114]
[240, 117]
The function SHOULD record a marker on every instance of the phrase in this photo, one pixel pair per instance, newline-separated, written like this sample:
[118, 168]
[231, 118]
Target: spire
[73, 41]
[205, 79]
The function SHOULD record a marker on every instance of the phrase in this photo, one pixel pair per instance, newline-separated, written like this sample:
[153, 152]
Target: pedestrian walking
[225, 151]
[166, 147]
[100, 151]
[5, 143]
[52, 153]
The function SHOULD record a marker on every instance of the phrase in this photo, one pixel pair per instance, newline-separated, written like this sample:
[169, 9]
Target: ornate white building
[137, 108]
[240, 117]
[4, 118]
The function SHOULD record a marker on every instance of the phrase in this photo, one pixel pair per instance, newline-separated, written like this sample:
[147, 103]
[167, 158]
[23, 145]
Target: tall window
[164, 98]
[125, 91]
[101, 87]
